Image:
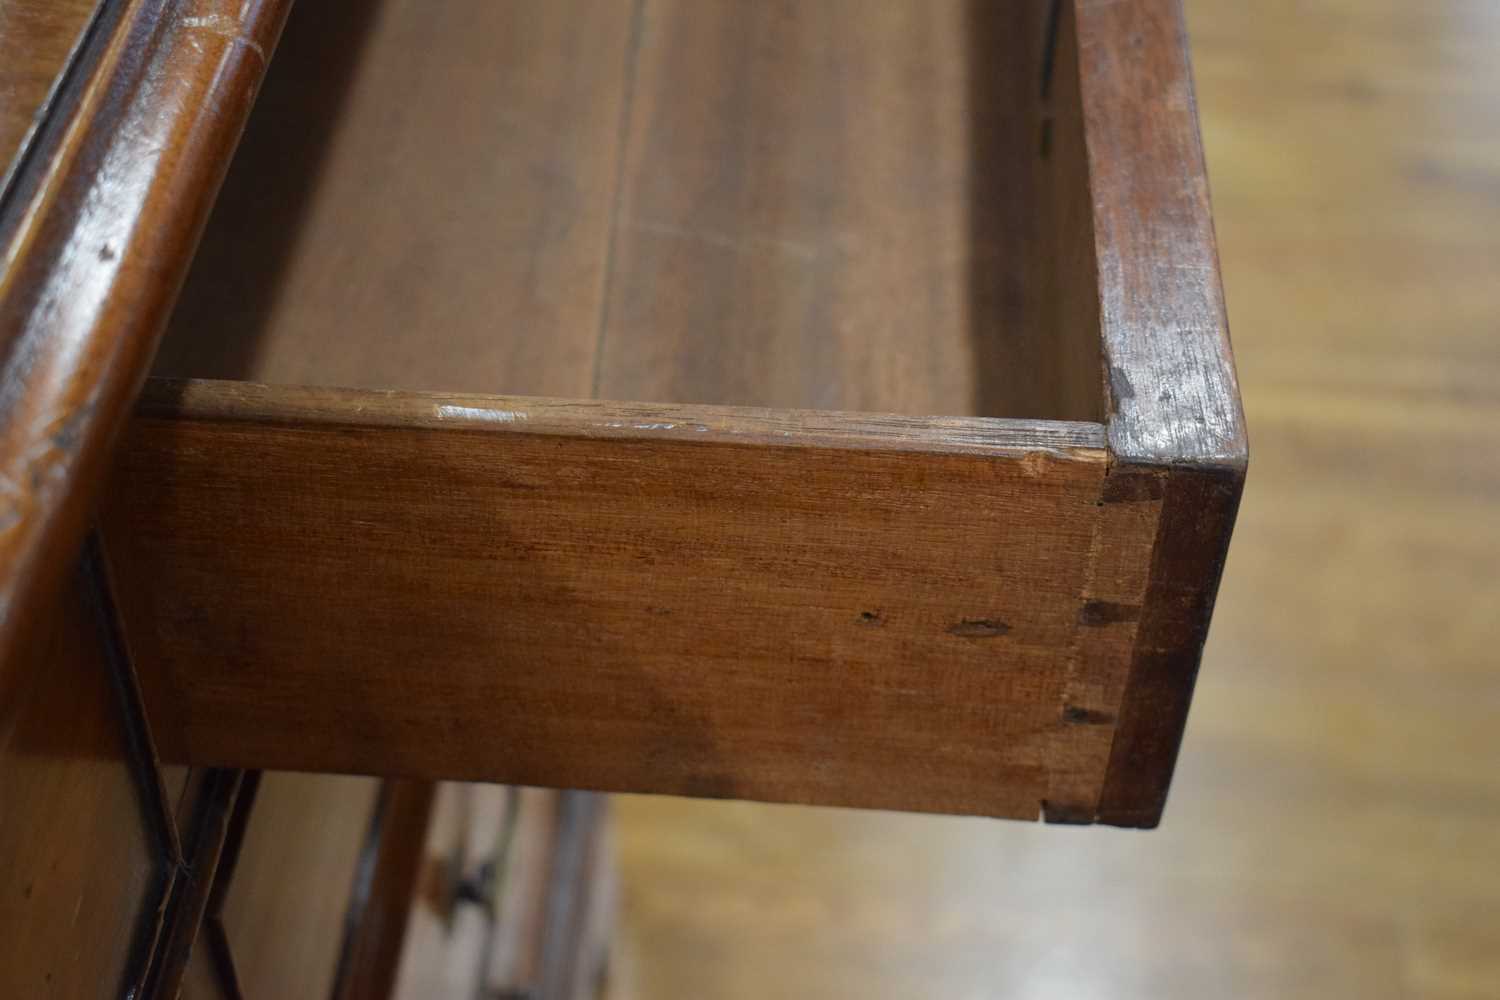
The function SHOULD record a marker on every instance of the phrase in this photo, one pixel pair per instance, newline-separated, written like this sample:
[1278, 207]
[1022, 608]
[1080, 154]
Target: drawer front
[80, 867]
[706, 601]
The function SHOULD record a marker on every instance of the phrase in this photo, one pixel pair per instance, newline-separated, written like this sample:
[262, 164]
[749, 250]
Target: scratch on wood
[978, 628]
[736, 244]
[225, 27]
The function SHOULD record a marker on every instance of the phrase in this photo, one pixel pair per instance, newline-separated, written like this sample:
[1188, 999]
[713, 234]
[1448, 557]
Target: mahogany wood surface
[95, 236]
[833, 205]
[800, 607]
[1174, 401]
[1173, 395]
[37, 40]
[82, 871]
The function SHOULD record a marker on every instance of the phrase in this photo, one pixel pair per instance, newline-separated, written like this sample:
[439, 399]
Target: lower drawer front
[515, 897]
[336, 892]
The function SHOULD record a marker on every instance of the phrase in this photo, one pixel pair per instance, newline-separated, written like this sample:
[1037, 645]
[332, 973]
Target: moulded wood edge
[126, 166]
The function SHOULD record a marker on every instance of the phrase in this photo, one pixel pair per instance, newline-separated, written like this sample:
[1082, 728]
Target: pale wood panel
[1333, 822]
[786, 606]
[421, 201]
[830, 205]
[289, 892]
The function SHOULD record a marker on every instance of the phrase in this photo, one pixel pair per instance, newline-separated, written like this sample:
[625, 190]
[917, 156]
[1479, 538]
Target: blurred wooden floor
[1335, 826]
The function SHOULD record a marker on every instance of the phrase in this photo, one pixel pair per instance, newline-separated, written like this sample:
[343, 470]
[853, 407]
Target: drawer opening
[832, 205]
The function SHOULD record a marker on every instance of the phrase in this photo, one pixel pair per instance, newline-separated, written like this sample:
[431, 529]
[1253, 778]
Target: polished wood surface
[285, 904]
[95, 237]
[37, 39]
[736, 603]
[81, 870]
[1332, 828]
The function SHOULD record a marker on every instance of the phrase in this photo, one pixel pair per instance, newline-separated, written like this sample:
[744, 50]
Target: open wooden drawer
[937, 450]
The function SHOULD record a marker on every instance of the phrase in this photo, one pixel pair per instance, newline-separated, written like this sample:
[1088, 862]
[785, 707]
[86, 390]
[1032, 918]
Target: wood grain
[1176, 428]
[1195, 519]
[726, 605]
[824, 205]
[37, 40]
[830, 205]
[81, 870]
[1173, 396]
[96, 233]
[1066, 361]
[421, 201]
[680, 166]
[1331, 831]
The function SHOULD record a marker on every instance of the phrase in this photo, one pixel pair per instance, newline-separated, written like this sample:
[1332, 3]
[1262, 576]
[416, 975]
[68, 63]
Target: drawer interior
[832, 204]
